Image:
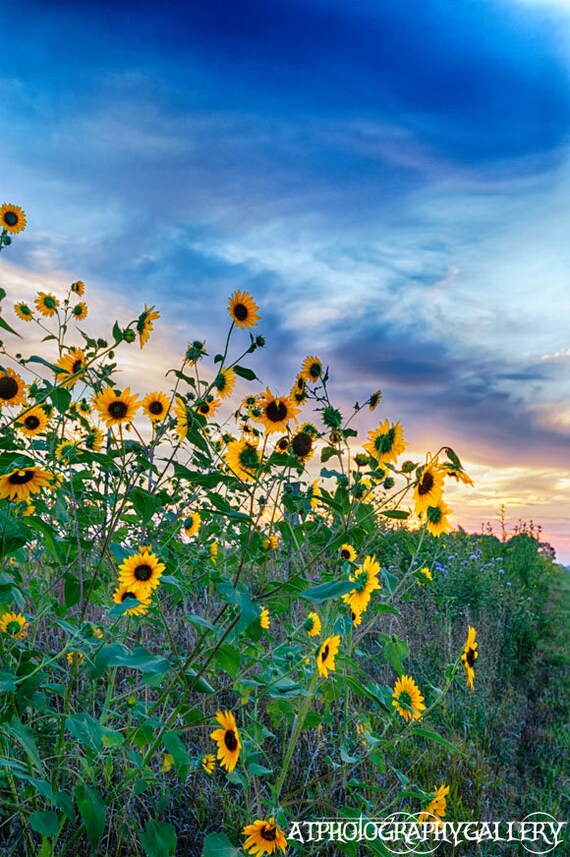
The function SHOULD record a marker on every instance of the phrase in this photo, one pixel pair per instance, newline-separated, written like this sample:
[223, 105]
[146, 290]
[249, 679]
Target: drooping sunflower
[314, 494]
[311, 370]
[145, 324]
[264, 837]
[12, 388]
[347, 552]
[470, 655]
[457, 473]
[12, 218]
[23, 311]
[275, 411]
[78, 288]
[209, 763]
[326, 655]
[79, 311]
[366, 582]
[387, 442]
[435, 810]
[183, 418]
[227, 739]
[374, 400]
[192, 524]
[428, 489]
[116, 408]
[243, 458]
[302, 446]
[224, 382]
[14, 624]
[312, 625]
[33, 421]
[94, 439]
[71, 364]
[141, 572]
[311, 429]
[46, 303]
[19, 484]
[437, 520]
[243, 310]
[299, 392]
[264, 618]
[195, 352]
[123, 592]
[407, 698]
[208, 407]
[156, 406]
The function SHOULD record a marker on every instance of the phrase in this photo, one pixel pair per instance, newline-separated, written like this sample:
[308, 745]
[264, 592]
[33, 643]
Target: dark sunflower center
[269, 832]
[12, 628]
[241, 312]
[77, 366]
[11, 218]
[300, 384]
[283, 444]
[426, 483]
[20, 477]
[385, 442]
[129, 595]
[325, 653]
[470, 657]
[118, 410]
[31, 422]
[276, 411]
[302, 444]
[345, 554]
[230, 740]
[156, 407]
[204, 408]
[8, 387]
[143, 572]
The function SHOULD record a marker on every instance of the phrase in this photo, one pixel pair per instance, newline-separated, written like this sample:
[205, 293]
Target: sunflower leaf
[327, 591]
[92, 811]
[243, 372]
[399, 514]
[158, 838]
[6, 326]
[218, 845]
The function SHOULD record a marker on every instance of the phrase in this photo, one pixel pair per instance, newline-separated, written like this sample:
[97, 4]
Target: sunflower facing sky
[275, 411]
[33, 421]
[386, 442]
[470, 655]
[366, 582]
[227, 739]
[12, 218]
[243, 458]
[116, 408]
[428, 489]
[243, 310]
[72, 366]
[407, 698]
[46, 303]
[23, 311]
[141, 572]
[156, 406]
[20, 484]
[264, 837]
[12, 388]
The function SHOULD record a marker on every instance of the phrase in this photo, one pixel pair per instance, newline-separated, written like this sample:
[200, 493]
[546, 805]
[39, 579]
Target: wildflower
[72, 366]
[275, 411]
[225, 382]
[213, 551]
[141, 571]
[78, 288]
[264, 619]
[79, 311]
[208, 407]
[195, 351]
[33, 422]
[470, 655]
[270, 543]
[386, 443]
[282, 445]
[183, 419]
[374, 400]
[243, 310]
[302, 446]
[326, 655]
[116, 408]
[143, 597]
[312, 625]
[243, 458]
[94, 438]
[366, 582]
[156, 406]
[75, 657]
[12, 218]
[145, 324]
[14, 624]
[347, 552]
[227, 739]
[264, 837]
[21, 484]
[437, 521]
[428, 489]
[427, 574]
[46, 303]
[209, 763]
[407, 698]
[12, 388]
[167, 763]
[312, 369]
[436, 808]
[299, 390]
[314, 494]
[23, 311]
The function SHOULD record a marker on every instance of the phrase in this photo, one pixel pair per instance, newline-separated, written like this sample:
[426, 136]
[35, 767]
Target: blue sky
[390, 180]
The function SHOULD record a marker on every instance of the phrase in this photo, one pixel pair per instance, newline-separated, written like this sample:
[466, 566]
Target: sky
[390, 181]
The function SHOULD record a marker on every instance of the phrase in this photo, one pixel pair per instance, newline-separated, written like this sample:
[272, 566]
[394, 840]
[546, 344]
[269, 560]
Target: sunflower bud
[129, 335]
[408, 466]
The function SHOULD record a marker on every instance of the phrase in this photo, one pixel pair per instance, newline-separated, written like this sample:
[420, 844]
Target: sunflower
[21, 484]
[347, 552]
[275, 411]
[227, 739]
[46, 303]
[63, 449]
[366, 581]
[72, 366]
[327, 654]
[374, 400]
[387, 442]
[312, 625]
[95, 631]
[427, 575]
[116, 408]
[79, 311]
[270, 543]
[183, 419]
[314, 494]
[78, 288]
[264, 837]
[243, 310]
[428, 489]
[12, 388]
[311, 370]
[282, 445]
[214, 552]
[299, 390]
[408, 700]
[141, 571]
[264, 618]
[437, 521]
[12, 218]
[457, 473]
[192, 524]
[167, 763]
[208, 407]
[156, 406]
[209, 763]
[435, 810]
[14, 624]
[145, 324]
[224, 382]
[243, 458]
[195, 351]
[75, 657]
[33, 421]
[23, 311]
[311, 429]
[123, 592]
[470, 655]
[94, 438]
[302, 446]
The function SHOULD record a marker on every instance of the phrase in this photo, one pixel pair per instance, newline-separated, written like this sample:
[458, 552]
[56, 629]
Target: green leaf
[158, 838]
[399, 514]
[91, 733]
[453, 457]
[145, 504]
[6, 326]
[52, 547]
[248, 374]
[218, 845]
[46, 823]
[92, 811]
[227, 657]
[433, 736]
[7, 682]
[24, 735]
[395, 651]
[327, 453]
[177, 750]
[201, 686]
[60, 398]
[327, 591]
